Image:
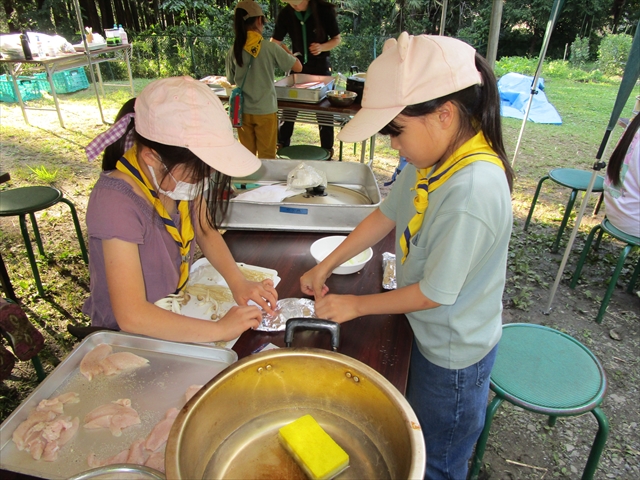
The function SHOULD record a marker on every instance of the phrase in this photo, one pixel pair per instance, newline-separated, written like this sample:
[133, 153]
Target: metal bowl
[341, 98]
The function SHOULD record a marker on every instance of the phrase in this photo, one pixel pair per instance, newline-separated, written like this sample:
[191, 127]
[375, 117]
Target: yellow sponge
[313, 449]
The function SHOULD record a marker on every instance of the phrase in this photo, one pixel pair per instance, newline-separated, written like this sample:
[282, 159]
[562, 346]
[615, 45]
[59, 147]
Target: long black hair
[617, 157]
[241, 27]
[479, 107]
[199, 172]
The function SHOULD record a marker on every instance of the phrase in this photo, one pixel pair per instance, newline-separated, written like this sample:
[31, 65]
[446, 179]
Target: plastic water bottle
[41, 53]
[123, 35]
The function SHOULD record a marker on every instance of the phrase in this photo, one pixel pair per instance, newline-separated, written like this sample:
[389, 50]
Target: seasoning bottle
[26, 48]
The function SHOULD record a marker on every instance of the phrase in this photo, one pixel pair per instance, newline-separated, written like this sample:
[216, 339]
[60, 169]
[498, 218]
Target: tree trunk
[107, 13]
[8, 10]
[90, 17]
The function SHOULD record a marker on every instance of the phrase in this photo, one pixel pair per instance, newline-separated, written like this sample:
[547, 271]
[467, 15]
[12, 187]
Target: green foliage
[579, 51]
[614, 53]
[523, 65]
[44, 175]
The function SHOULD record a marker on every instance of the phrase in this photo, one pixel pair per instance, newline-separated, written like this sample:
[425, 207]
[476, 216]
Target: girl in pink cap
[451, 211]
[166, 176]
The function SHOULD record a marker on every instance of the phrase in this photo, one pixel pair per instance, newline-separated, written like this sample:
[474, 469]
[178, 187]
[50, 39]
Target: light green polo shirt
[459, 259]
[259, 92]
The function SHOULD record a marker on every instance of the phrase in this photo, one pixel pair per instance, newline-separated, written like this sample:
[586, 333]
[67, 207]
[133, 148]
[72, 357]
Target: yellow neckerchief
[253, 43]
[129, 165]
[474, 150]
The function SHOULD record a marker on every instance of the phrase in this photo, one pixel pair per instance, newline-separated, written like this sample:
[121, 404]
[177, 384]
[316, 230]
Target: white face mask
[182, 191]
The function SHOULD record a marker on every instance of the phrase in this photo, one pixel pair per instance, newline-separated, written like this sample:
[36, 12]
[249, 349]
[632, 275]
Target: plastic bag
[305, 176]
[236, 100]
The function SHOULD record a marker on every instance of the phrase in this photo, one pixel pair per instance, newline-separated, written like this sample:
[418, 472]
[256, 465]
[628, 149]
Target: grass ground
[45, 153]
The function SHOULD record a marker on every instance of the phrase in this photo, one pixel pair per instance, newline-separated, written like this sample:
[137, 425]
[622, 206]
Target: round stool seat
[577, 179]
[22, 200]
[608, 227]
[304, 152]
[546, 371]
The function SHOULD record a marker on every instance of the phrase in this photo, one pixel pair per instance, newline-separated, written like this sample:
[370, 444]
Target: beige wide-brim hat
[184, 112]
[410, 70]
[252, 8]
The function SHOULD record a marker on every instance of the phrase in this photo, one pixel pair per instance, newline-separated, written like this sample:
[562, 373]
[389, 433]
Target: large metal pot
[229, 429]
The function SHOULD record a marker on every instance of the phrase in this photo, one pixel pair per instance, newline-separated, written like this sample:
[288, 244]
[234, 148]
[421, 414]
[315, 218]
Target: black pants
[285, 129]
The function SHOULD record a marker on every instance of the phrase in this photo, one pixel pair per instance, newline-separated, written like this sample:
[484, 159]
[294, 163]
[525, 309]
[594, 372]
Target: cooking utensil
[122, 471]
[153, 389]
[341, 98]
[229, 428]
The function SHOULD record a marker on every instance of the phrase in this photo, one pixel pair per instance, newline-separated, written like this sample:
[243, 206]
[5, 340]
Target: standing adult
[313, 29]
[251, 63]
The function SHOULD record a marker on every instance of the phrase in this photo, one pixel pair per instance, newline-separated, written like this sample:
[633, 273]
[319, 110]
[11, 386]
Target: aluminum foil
[286, 308]
[389, 271]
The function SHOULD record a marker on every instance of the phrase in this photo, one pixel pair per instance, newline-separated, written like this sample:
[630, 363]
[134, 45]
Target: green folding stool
[25, 201]
[576, 180]
[631, 243]
[548, 372]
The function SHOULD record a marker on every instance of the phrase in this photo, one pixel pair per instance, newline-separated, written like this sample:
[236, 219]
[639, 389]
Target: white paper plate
[202, 272]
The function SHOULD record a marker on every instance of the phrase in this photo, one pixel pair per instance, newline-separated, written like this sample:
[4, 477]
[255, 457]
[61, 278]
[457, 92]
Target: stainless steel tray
[153, 389]
[285, 89]
[305, 217]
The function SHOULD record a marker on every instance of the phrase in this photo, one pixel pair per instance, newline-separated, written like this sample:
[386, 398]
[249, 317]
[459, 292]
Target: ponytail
[114, 152]
[240, 27]
[620, 152]
[487, 112]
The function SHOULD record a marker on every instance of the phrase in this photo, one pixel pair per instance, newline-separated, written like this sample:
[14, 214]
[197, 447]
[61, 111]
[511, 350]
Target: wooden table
[381, 341]
[66, 61]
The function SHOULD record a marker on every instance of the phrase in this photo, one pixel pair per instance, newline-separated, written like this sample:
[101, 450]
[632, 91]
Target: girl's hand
[337, 308]
[237, 320]
[263, 293]
[315, 48]
[312, 282]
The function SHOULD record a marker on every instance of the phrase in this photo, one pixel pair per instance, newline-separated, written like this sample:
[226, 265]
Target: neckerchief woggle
[253, 43]
[303, 18]
[129, 165]
[475, 149]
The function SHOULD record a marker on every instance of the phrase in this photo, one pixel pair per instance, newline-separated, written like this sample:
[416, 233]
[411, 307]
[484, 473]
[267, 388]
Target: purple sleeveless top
[116, 211]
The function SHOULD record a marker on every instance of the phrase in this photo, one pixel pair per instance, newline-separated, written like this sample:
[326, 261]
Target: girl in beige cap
[451, 211]
[251, 63]
[151, 206]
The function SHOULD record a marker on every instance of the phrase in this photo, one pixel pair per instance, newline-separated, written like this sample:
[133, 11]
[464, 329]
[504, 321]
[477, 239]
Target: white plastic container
[124, 38]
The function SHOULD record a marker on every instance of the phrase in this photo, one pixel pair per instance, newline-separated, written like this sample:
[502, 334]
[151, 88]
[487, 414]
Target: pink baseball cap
[410, 70]
[184, 112]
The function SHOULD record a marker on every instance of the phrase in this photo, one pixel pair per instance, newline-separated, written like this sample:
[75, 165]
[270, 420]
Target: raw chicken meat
[102, 360]
[191, 391]
[160, 433]
[90, 365]
[115, 416]
[122, 361]
[56, 404]
[44, 432]
[156, 460]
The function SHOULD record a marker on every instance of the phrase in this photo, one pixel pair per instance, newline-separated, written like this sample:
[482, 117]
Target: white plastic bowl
[320, 249]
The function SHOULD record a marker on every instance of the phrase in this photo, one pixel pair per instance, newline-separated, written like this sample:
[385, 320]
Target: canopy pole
[87, 52]
[555, 11]
[443, 17]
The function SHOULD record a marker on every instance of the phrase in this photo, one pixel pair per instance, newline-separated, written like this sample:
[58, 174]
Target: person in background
[622, 184]
[163, 190]
[252, 62]
[312, 26]
[451, 211]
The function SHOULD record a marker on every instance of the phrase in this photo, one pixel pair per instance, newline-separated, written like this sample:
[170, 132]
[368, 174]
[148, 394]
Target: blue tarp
[515, 90]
